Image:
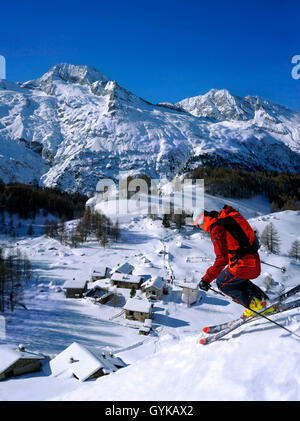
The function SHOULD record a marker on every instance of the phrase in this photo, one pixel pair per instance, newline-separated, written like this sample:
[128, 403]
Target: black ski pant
[241, 290]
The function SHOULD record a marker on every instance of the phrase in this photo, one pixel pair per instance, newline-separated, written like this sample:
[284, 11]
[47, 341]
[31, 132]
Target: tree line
[27, 201]
[282, 189]
[15, 271]
[92, 225]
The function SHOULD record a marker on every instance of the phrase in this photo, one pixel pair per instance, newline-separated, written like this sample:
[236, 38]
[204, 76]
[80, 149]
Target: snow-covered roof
[99, 290]
[84, 364]
[158, 282]
[75, 284]
[116, 361]
[189, 285]
[99, 270]
[124, 268]
[138, 304]
[148, 323]
[10, 354]
[126, 278]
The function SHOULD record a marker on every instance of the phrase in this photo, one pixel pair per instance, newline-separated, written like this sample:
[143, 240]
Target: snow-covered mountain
[74, 125]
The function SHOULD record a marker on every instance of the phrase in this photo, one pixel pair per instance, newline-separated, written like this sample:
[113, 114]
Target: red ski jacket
[247, 267]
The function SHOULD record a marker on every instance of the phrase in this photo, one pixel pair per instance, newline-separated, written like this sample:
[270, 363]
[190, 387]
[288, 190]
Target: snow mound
[248, 368]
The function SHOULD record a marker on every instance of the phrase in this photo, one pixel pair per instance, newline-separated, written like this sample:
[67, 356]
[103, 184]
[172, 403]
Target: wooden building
[99, 294]
[126, 281]
[125, 268]
[154, 288]
[15, 361]
[75, 288]
[138, 309]
[99, 272]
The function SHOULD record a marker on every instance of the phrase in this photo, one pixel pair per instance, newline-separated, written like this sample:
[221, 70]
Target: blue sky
[160, 50]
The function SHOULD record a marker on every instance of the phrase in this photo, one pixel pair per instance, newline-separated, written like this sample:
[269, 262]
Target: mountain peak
[74, 74]
[68, 73]
[218, 92]
[218, 104]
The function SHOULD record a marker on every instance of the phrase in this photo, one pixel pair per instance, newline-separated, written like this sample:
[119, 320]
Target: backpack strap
[240, 236]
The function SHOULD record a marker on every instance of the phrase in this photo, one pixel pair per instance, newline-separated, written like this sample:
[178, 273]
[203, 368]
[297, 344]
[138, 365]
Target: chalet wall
[74, 293]
[20, 367]
[135, 315]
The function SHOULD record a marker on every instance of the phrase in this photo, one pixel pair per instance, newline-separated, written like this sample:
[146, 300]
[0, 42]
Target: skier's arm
[221, 252]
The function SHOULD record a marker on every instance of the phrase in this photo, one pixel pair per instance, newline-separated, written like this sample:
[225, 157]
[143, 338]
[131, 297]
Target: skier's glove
[203, 285]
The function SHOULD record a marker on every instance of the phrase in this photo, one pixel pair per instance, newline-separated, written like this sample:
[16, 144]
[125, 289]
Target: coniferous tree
[166, 221]
[27, 268]
[62, 235]
[2, 281]
[132, 292]
[46, 228]
[81, 232]
[104, 240]
[30, 230]
[294, 251]
[9, 272]
[53, 229]
[116, 230]
[179, 219]
[274, 207]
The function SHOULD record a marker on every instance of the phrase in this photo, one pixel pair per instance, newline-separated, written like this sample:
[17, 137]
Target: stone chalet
[99, 272]
[126, 281]
[75, 288]
[138, 309]
[15, 361]
[154, 288]
[99, 294]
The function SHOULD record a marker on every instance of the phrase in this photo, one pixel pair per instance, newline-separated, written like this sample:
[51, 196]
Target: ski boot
[257, 306]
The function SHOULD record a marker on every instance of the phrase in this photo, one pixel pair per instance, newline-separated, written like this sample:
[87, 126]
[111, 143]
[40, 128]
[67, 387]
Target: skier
[237, 260]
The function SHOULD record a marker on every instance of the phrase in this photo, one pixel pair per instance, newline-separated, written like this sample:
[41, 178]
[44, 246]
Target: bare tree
[270, 238]
[116, 230]
[104, 240]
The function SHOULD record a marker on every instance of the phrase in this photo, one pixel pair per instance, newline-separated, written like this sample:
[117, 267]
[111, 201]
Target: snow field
[260, 362]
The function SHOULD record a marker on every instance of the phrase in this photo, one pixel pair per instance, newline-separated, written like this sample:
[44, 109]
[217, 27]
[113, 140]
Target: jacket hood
[209, 219]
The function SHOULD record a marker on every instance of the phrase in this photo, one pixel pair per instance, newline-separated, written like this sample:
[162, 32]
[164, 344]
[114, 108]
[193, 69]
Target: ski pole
[283, 269]
[256, 312]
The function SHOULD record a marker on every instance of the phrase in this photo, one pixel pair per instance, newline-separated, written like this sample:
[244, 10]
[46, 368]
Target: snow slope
[242, 369]
[74, 125]
[249, 364]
